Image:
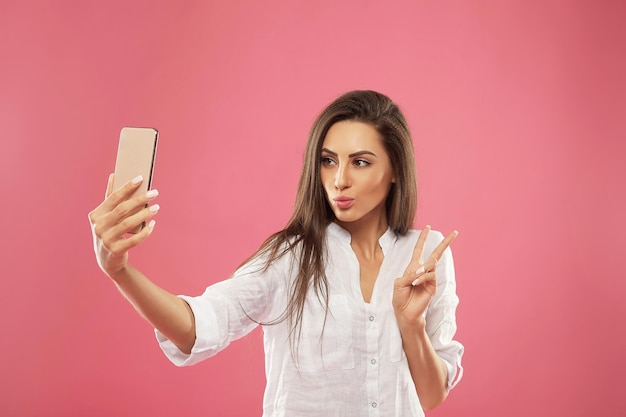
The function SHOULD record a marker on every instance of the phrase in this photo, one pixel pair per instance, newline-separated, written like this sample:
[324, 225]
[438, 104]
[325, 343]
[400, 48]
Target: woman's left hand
[414, 290]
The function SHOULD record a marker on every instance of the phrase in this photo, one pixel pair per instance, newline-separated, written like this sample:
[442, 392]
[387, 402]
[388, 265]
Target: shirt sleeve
[225, 312]
[441, 315]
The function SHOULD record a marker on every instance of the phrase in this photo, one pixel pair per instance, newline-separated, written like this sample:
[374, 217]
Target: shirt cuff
[207, 336]
[455, 373]
[452, 358]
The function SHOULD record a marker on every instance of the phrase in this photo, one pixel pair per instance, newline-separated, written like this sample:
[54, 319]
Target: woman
[355, 321]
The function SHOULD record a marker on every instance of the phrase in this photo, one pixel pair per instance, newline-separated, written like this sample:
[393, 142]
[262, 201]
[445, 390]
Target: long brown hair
[306, 230]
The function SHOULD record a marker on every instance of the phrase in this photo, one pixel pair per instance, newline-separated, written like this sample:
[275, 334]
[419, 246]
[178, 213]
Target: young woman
[358, 310]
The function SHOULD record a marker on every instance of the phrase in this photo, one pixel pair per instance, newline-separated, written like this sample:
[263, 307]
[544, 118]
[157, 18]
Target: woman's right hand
[112, 220]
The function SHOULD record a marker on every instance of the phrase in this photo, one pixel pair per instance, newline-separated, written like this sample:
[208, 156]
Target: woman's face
[356, 173]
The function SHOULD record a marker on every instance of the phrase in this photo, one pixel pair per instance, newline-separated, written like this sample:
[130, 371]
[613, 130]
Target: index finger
[418, 251]
[115, 197]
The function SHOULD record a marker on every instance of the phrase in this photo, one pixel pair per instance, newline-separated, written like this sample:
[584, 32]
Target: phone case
[136, 155]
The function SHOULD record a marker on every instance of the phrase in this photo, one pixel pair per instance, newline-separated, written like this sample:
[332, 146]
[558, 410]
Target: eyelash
[360, 163]
[326, 161]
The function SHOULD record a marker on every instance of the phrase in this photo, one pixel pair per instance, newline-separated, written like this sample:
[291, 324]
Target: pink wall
[517, 109]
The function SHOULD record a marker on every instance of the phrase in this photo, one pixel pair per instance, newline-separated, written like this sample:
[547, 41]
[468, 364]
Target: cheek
[379, 188]
[323, 178]
[381, 181]
[326, 182]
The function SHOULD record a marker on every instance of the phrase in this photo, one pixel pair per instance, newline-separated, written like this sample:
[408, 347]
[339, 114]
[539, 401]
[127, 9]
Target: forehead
[351, 136]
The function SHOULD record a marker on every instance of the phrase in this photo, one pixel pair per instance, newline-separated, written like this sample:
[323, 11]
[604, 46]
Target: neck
[365, 234]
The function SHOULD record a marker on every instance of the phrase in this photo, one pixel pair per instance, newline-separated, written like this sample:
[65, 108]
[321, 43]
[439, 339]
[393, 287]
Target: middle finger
[127, 208]
[131, 222]
[431, 262]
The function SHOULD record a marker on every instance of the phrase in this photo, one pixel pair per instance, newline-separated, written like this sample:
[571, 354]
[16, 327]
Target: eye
[327, 161]
[361, 162]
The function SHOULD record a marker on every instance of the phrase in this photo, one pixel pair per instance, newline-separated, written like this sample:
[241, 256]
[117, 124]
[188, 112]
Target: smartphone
[136, 154]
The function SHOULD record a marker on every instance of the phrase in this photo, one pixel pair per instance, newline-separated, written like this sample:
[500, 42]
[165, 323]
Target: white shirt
[357, 367]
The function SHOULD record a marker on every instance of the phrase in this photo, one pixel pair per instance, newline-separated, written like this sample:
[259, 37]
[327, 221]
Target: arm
[413, 293]
[110, 222]
[428, 370]
[166, 312]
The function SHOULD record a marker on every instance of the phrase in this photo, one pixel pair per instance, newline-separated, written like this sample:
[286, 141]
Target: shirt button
[371, 318]
[374, 405]
[373, 361]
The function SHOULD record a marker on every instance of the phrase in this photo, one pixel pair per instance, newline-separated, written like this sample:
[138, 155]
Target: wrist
[119, 275]
[411, 326]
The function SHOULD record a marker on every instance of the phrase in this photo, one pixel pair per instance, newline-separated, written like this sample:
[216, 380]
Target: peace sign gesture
[414, 290]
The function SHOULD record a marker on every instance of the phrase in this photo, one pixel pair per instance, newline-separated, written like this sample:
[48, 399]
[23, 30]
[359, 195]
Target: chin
[346, 218]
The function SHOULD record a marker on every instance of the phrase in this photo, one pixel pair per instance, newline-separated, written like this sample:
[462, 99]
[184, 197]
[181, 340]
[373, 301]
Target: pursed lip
[342, 198]
[343, 202]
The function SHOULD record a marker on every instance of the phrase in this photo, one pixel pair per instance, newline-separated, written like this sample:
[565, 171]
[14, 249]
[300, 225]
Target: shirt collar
[385, 241]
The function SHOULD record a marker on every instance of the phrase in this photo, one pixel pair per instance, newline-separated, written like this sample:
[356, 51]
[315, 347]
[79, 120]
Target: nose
[342, 179]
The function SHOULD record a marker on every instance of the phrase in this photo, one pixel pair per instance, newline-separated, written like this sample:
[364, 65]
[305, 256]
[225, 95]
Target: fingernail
[152, 193]
[414, 283]
[154, 208]
[151, 224]
[137, 180]
[420, 270]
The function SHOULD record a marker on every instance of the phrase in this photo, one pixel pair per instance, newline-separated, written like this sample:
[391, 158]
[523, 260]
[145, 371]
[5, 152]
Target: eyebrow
[352, 155]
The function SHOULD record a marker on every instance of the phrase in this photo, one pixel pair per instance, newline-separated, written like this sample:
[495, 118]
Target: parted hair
[305, 234]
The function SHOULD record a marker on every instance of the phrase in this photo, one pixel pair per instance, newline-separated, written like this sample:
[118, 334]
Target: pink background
[518, 115]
